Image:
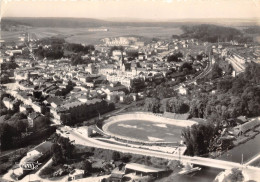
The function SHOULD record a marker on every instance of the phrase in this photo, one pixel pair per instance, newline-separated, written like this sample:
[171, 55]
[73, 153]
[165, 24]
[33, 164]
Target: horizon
[153, 10]
[129, 18]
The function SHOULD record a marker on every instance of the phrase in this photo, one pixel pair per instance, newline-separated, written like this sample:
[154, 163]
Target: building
[32, 117]
[77, 111]
[76, 174]
[116, 96]
[13, 52]
[42, 149]
[116, 177]
[21, 75]
[25, 108]
[114, 88]
[182, 90]
[37, 154]
[10, 103]
[143, 170]
[243, 128]
[92, 68]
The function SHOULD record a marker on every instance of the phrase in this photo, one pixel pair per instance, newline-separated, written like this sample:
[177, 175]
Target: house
[79, 111]
[143, 170]
[54, 101]
[9, 103]
[182, 90]
[83, 98]
[25, 108]
[243, 128]
[44, 148]
[116, 177]
[76, 174]
[114, 88]
[115, 96]
[32, 117]
[37, 154]
[242, 119]
[13, 52]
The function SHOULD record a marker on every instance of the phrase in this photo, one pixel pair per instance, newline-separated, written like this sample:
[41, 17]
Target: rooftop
[44, 147]
[143, 168]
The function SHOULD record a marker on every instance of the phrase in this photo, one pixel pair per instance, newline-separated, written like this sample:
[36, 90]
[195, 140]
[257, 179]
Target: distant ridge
[91, 22]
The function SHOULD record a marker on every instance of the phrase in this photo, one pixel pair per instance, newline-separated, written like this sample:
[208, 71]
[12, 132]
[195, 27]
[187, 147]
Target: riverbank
[250, 135]
[247, 136]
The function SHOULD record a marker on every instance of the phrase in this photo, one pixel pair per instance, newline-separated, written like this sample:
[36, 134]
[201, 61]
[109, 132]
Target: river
[205, 175]
[248, 149]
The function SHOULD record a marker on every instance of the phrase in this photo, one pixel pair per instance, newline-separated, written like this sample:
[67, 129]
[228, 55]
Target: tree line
[55, 48]
[213, 33]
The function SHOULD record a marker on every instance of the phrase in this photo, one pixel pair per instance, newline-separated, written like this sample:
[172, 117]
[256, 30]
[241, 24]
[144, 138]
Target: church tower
[122, 62]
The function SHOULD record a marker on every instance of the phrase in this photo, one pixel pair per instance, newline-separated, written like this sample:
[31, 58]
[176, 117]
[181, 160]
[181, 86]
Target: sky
[133, 9]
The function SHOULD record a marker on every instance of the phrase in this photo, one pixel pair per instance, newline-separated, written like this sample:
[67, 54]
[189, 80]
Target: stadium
[145, 128]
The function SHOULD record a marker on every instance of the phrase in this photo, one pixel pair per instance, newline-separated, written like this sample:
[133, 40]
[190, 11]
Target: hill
[91, 22]
[213, 33]
[54, 22]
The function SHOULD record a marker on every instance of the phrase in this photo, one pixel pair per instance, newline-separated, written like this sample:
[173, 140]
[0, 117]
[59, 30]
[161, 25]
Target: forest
[214, 33]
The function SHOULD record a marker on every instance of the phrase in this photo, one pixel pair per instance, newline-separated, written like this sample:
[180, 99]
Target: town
[129, 108]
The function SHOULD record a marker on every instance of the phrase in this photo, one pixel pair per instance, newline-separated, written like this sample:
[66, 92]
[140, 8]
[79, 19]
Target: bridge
[253, 159]
[82, 139]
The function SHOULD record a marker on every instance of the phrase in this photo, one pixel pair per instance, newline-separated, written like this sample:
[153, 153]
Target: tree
[6, 136]
[177, 106]
[132, 54]
[21, 126]
[57, 156]
[46, 171]
[116, 156]
[175, 57]
[78, 48]
[235, 176]
[216, 72]
[62, 150]
[137, 84]
[76, 59]
[41, 122]
[128, 100]
[152, 105]
[120, 48]
[225, 85]
[86, 166]
[199, 57]
[211, 33]
[186, 66]
[198, 138]
[67, 147]
[252, 73]
[8, 65]
[126, 158]
[55, 51]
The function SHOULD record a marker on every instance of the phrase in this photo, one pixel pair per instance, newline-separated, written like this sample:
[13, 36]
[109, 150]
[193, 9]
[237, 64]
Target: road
[253, 159]
[82, 139]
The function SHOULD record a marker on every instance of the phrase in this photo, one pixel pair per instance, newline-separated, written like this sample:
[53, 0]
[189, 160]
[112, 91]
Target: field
[11, 36]
[82, 35]
[146, 131]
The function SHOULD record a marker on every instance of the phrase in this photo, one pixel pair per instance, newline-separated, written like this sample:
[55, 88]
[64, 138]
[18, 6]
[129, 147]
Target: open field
[146, 131]
[11, 36]
[82, 35]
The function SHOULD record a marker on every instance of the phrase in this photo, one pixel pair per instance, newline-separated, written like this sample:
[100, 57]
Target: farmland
[82, 35]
